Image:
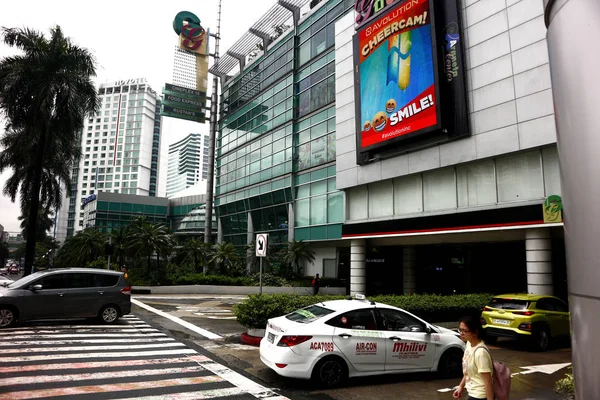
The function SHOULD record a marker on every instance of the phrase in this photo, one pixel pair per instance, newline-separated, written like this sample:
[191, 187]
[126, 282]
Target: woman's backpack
[500, 378]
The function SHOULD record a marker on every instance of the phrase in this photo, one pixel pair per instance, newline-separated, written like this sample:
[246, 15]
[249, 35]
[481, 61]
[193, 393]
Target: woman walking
[477, 363]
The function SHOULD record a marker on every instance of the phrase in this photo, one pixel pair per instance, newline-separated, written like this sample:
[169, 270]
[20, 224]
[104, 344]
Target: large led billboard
[408, 81]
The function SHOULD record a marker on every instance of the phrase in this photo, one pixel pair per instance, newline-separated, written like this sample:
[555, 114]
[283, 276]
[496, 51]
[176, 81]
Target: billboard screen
[397, 94]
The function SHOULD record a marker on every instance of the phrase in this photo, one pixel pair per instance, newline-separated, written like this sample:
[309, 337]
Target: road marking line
[120, 387]
[93, 364]
[89, 348]
[179, 321]
[98, 355]
[127, 325]
[84, 335]
[97, 375]
[76, 341]
[206, 394]
[46, 331]
[238, 380]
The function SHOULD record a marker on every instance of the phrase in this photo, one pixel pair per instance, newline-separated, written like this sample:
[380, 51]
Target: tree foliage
[45, 94]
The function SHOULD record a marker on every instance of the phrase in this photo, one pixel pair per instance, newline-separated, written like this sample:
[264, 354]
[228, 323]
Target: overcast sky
[129, 38]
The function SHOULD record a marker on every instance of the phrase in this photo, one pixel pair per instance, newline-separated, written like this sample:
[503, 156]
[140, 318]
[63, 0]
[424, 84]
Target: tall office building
[119, 150]
[188, 163]
[394, 195]
[184, 68]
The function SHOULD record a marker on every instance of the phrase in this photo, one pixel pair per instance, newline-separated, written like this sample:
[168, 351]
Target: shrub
[214, 280]
[565, 386]
[257, 309]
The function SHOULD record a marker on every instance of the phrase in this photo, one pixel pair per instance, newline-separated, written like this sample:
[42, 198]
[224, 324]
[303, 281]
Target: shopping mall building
[413, 146]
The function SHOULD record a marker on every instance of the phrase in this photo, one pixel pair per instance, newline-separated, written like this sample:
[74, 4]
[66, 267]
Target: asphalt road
[207, 315]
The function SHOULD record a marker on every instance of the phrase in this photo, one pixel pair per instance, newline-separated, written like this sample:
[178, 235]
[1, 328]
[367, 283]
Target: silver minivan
[66, 293]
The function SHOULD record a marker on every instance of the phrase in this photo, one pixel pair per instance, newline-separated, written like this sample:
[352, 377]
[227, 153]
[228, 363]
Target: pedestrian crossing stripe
[122, 361]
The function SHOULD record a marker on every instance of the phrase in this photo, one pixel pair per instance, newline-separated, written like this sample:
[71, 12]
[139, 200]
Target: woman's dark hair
[473, 324]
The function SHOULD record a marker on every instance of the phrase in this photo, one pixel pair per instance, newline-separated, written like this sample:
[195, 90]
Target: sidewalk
[227, 290]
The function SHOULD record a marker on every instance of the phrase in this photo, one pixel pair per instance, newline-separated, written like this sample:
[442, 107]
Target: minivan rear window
[509, 304]
[308, 314]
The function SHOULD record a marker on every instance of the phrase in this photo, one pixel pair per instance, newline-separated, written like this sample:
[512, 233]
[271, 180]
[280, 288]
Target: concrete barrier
[208, 289]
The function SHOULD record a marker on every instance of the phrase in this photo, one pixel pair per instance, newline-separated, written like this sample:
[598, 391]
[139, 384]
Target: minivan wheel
[109, 314]
[7, 317]
[330, 372]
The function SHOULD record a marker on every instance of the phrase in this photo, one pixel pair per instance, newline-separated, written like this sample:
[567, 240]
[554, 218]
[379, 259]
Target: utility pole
[214, 99]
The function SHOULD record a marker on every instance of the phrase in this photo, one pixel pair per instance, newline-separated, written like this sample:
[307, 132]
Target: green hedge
[216, 280]
[257, 309]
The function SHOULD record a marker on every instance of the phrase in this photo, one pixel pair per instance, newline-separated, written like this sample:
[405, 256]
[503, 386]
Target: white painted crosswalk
[129, 360]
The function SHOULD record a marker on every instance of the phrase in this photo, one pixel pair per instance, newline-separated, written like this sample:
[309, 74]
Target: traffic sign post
[262, 242]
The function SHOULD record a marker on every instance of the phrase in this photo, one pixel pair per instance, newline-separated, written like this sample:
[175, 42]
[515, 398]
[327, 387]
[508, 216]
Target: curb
[251, 340]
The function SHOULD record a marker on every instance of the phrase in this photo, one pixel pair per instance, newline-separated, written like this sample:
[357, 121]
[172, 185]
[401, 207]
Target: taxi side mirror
[428, 329]
[35, 288]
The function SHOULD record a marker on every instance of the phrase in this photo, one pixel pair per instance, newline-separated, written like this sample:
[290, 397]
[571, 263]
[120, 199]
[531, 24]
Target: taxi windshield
[308, 314]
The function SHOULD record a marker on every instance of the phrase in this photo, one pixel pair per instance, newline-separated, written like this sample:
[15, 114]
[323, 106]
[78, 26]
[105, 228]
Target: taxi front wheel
[330, 372]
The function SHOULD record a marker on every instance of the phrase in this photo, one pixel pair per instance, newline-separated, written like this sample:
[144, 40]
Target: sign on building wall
[409, 75]
[194, 38]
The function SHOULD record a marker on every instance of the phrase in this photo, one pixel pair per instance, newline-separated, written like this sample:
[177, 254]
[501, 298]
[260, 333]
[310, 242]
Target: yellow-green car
[537, 318]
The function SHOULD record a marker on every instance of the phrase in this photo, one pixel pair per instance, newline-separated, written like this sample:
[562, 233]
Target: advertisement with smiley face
[397, 74]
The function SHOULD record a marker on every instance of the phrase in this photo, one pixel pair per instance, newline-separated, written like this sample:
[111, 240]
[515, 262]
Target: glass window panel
[304, 53]
[318, 174]
[335, 207]
[266, 162]
[520, 177]
[304, 156]
[357, 203]
[318, 188]
[304, 136]
[331, 185]
[408, 195]
[381, 202]
[278, 145]
[476, 184]
[302, 191]
[278, 157]
[318, 210]
[301, 214]
[318, 130]
[439, 190]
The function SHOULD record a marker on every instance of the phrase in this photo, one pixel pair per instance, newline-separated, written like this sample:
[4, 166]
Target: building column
[538, 249]
[290, 222]
[409, 271]
[249, 239]
[358, 270]
[219, 229]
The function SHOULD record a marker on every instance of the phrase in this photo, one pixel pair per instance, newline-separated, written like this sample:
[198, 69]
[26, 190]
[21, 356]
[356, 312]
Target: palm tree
[147, 238]
[45, 94]
[120, 238]
[298, 253]
[194, 250]
[225, 255]
[44, 224]
[86, 245]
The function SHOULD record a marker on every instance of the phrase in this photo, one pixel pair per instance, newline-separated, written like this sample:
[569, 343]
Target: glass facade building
[276, 139]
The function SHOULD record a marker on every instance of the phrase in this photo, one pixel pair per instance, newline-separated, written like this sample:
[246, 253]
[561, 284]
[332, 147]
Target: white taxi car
[334, 340]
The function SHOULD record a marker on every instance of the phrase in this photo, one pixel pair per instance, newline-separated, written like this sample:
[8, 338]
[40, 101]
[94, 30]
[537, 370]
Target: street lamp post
[214, 99]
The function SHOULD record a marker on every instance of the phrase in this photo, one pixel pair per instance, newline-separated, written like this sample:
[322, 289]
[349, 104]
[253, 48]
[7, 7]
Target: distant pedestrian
[315, 284]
